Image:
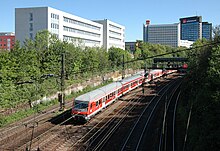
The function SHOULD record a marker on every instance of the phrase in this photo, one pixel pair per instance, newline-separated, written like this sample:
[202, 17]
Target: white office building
[113, 34]
[67, 27]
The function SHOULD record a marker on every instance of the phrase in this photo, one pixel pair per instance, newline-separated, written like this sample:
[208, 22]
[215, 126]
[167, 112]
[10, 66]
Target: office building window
[31, 16]
[54, 26]
[31, 26]
[54, 16]
[72, 21]
[31, 36]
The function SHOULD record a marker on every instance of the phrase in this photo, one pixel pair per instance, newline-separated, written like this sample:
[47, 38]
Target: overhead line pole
[123, 67]
[62, 83]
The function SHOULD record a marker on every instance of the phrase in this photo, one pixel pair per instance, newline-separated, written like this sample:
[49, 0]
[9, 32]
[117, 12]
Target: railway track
[101, 138]
[112, 137]
[17, 134]
[112, 124]
[136, 138]
[167, 138]
[60, 133]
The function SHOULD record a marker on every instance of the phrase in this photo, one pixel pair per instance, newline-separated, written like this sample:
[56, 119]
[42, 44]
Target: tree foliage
[23, 70]
[203, 85]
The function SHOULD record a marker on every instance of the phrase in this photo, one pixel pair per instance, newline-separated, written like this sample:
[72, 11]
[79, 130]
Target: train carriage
[87, 105]
[131, 83]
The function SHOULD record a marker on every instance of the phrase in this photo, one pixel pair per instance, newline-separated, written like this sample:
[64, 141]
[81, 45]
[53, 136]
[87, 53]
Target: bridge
[170, 63]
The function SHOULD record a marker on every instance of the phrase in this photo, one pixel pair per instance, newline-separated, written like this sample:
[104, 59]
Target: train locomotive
[89, 104]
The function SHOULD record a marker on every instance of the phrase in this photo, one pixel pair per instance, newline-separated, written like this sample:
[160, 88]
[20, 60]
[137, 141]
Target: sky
[130, 13]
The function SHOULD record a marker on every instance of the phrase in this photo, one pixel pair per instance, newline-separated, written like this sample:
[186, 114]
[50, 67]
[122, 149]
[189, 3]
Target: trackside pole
[61, 96]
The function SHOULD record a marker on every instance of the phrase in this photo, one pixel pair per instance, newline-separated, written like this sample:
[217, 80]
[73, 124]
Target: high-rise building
[191, 28]
[207, 30]
[113, 34]
[67, 27]
[7, 40]
[165, 34]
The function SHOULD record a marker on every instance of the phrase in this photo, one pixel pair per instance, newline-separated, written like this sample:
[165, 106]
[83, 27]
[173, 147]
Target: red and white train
[87, 105]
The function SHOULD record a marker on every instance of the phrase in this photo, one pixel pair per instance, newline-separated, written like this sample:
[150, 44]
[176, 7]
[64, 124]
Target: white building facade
[67, 27]
[186, 43]
[113, 34]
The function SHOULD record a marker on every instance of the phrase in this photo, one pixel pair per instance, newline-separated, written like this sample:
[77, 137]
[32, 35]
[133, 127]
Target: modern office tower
[113, 34]
[191, 28]
[207, 30]
[7, 40]
[67, 27]
[165, 34]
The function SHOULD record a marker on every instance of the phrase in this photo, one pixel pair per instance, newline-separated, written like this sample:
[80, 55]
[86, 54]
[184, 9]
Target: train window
[100, 101]
[91, 106]
[81, 105]
[97, 103]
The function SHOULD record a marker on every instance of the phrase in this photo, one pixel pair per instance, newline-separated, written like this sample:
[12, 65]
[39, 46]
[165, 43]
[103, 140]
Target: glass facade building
[207, 30]
[191, 28]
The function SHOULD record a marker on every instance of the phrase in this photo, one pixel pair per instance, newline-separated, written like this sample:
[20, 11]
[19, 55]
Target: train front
[80, 110]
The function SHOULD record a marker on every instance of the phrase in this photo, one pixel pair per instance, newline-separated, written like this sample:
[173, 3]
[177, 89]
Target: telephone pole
[62, 83]
[123, 67]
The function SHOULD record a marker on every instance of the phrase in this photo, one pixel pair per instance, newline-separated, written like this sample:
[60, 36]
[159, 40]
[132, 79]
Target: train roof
[129, 79]
[154, 70]
[100, 92]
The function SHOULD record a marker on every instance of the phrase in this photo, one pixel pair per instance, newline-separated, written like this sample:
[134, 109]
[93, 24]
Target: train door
[90, 107]
[100, 103]
[96, 105]
[103, 101]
